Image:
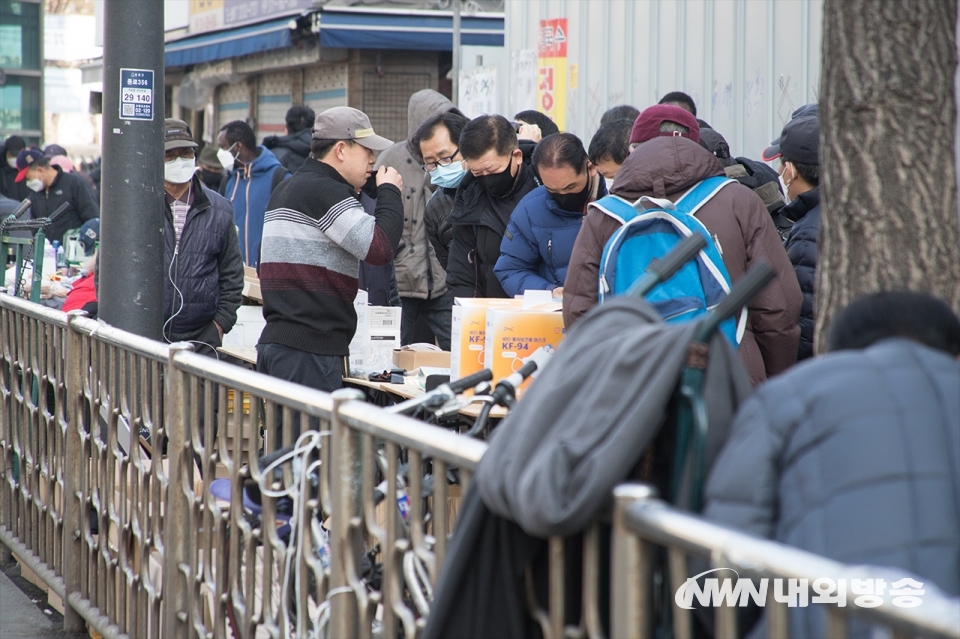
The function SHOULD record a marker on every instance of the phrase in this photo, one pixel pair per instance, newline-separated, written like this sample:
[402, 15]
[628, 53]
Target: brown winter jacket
[738, 220]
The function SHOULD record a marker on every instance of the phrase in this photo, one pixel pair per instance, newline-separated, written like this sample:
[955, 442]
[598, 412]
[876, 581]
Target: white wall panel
[746, 63]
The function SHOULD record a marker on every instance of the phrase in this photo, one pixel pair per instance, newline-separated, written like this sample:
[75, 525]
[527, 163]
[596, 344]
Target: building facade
[21, 69]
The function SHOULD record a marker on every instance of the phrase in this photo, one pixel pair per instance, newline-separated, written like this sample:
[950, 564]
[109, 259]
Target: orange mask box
[468, 332]
[514, 334]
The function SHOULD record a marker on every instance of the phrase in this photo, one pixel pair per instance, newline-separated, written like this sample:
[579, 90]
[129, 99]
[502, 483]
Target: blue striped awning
[359, 28]
[229, 43]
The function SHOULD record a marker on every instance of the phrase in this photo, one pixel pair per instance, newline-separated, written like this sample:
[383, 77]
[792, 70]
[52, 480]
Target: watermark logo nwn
[734, 591]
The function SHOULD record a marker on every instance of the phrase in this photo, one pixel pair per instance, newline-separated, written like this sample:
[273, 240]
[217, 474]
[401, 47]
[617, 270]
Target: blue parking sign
[136, 94]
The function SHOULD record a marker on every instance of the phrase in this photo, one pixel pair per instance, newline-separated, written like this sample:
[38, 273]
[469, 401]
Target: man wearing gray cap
[315, 234]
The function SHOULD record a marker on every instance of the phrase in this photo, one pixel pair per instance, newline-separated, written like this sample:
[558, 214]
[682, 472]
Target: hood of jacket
[264, 163]
[802, 204]
[298, 142]
[664, 166]
[423, 105]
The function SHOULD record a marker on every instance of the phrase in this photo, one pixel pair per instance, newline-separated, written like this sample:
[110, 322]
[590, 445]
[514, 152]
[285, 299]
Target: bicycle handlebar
[464, 383]
[742, 292]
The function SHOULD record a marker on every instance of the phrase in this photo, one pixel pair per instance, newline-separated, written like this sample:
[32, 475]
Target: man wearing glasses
[203, 270]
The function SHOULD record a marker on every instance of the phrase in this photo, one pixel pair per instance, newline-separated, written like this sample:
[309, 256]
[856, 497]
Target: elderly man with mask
[203, 270]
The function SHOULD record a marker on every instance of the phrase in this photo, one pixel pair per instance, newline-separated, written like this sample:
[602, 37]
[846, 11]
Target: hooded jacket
[538, 242]
[854, 456]
[290, 150]
[249, 189]
[801, 247]
[419, 272]
[741, 226]
[479, 221]
[66, 187]
[203, 271]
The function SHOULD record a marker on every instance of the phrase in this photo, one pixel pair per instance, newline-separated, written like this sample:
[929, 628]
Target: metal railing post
[347, 481]
[176, 564]
[631, 608]
[73, 511]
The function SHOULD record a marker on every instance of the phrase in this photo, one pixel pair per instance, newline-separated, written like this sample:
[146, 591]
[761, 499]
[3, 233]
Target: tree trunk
[888, 125]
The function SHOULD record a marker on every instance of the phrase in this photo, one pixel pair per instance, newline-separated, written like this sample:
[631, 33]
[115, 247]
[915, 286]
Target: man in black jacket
[315, 234]
[798, 149]
[497, 179]
[9, 187]
[293, 148]
[51, 187]
[203, 283]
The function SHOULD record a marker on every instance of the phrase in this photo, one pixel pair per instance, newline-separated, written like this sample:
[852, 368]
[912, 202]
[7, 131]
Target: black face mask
[211, 178]
[573, 201]
[499, 184]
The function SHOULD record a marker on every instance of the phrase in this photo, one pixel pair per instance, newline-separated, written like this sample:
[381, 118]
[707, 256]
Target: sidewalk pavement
[21, 617]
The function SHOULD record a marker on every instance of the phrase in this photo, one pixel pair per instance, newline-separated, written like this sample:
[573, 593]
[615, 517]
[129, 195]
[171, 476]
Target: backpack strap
[617, 208]
[701, 193]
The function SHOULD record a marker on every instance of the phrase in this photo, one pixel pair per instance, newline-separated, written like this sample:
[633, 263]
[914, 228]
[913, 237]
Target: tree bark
[888, 125]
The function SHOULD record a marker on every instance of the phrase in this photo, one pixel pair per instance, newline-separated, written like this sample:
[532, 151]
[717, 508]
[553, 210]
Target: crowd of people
[495, 206]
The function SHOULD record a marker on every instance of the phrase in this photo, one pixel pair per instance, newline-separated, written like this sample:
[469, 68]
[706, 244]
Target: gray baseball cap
[345, 123]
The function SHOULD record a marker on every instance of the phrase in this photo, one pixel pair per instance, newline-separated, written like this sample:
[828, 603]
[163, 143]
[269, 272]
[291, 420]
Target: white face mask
[179, 171]
[35, 184]
[12, 162]
[226, 158]
[784, 187]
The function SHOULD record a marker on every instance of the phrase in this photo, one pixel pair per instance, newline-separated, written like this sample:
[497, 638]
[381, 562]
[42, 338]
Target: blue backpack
[650, 233]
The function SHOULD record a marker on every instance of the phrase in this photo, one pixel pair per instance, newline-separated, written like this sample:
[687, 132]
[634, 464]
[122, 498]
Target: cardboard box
[251, 284]
[378, 334]
[514, 334]
[468, 332]
[411, 359]
[246, 332]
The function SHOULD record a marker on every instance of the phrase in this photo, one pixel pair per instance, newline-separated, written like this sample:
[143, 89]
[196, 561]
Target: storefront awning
[358, 28]
[230, 43]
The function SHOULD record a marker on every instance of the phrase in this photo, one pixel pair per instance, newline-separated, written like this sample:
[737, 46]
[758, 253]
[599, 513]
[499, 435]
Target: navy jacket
[854, 456]
[537, 244]
[206, 267]
[249, 190]
[801, 247]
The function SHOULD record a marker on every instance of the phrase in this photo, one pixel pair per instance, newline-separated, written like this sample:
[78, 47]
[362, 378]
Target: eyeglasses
[447, 161]
[185, 152]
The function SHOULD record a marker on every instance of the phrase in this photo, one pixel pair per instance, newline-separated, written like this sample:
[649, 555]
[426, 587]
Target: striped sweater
[315, 234]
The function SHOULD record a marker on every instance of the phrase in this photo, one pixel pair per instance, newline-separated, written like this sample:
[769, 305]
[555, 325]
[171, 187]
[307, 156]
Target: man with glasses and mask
[203, 270]
[497, 179]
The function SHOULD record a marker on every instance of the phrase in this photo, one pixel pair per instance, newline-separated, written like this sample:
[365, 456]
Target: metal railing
[643, 526]
[111, 445]
[134, 485]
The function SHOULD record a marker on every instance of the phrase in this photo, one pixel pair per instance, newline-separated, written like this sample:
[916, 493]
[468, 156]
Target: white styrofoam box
[358, 344]
[378, 333]
[246, 332]
[383, 325]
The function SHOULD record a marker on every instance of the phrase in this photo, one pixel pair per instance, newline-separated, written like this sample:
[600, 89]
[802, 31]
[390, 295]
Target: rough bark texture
[888, 121]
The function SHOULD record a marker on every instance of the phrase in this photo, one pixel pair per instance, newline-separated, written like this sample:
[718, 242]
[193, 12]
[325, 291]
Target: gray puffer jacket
[854, 456]
[419, 273]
